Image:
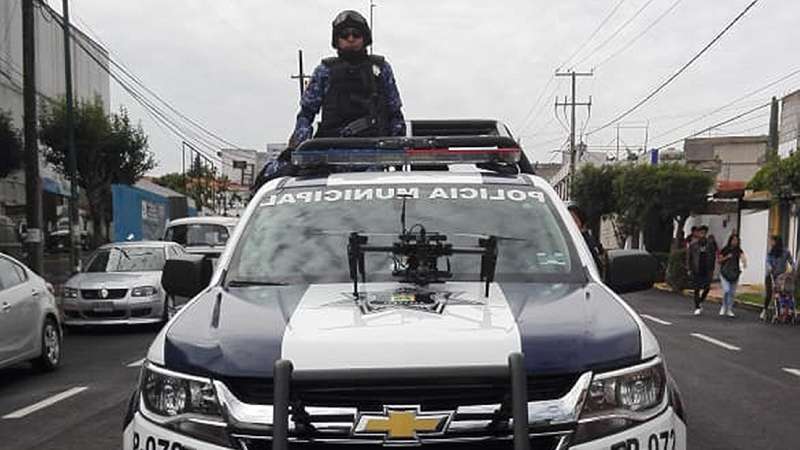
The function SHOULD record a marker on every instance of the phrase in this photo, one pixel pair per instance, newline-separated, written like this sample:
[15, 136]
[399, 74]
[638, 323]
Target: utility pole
[572, 150]
[72, 170]
[33, 184]
[301, 76]
[773, 128]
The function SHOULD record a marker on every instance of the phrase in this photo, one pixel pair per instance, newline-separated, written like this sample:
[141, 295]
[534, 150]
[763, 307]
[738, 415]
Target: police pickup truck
[416, 291]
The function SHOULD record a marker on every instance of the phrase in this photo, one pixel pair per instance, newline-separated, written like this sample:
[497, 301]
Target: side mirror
[187, 276]
[631, 270]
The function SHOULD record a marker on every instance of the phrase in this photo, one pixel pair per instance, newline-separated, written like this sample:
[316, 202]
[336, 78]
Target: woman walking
[778, 259]
[731, 261]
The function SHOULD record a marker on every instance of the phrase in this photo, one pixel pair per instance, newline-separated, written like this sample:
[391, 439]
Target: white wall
[755, 233]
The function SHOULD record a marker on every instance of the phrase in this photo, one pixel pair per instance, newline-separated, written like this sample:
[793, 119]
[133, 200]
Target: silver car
[30, 328]
[121, 284]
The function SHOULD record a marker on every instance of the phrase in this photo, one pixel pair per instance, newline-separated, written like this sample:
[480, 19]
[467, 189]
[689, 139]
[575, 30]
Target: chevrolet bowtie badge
[402, 424]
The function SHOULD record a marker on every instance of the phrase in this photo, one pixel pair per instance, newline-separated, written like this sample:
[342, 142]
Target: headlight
[622, 399]
[183, 403]
[144, 291]
[70, 292]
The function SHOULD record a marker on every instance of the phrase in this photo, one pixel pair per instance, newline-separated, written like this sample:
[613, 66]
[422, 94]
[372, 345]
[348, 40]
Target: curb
[713, 299]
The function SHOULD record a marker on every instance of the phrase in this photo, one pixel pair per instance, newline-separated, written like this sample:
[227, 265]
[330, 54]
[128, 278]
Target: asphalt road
[731, 372]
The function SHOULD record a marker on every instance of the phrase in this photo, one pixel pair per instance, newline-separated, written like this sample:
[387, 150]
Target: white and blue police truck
[417, 291]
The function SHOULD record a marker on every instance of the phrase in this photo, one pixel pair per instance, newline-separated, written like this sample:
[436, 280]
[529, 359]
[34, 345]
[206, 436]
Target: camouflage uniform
[318, 87]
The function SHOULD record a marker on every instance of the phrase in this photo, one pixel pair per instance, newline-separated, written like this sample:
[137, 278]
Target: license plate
[103, 306]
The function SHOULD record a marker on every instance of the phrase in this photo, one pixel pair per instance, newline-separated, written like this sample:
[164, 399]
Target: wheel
[50, 358]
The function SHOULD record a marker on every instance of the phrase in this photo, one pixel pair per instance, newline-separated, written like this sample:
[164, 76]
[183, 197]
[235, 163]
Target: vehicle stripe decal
[247, 338]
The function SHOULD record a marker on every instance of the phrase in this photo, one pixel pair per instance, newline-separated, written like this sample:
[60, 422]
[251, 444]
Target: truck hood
[560, 328]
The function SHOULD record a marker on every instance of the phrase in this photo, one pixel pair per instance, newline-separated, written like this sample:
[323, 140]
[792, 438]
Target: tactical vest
[355, 103]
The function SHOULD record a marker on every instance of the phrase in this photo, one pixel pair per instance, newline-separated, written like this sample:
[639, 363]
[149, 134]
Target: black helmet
[351, 19]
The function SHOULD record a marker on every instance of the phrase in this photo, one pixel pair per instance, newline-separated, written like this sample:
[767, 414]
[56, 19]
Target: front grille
[72, 314]
[430, 396]
[117, 314]
[94, 294]
[537, 443]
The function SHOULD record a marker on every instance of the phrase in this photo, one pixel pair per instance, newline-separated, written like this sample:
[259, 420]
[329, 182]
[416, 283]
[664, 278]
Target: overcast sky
[227, 63]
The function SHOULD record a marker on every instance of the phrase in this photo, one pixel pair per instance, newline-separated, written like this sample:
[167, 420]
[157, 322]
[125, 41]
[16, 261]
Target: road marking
[717, 342]
[655, 319]
[792, 371]
[20, 413]
[136, 363]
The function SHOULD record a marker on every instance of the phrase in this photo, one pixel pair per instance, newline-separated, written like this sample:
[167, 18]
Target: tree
[682, 190]
[634, 192]
[781, 177]
[109, 150]
[10, 146]
[174, 181]
[593, 191]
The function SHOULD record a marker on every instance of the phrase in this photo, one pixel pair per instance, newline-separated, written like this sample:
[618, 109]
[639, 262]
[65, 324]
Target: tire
[51, 338]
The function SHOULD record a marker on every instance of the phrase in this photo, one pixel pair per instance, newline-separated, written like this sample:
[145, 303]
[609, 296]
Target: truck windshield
[300, 235]
[128, 259]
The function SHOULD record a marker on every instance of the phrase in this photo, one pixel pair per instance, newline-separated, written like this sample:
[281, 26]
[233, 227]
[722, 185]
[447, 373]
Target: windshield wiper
[248, 283]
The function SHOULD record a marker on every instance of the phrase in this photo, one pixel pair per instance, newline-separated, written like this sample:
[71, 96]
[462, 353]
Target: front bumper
[125, 311]
[667, 429]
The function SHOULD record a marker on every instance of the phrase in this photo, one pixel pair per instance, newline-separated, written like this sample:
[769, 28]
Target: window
[10, 274]
[202, 235]
[301, 235]
[127, 259]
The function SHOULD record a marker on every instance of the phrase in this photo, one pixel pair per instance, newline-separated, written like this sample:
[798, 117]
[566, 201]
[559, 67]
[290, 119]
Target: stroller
[785, 307]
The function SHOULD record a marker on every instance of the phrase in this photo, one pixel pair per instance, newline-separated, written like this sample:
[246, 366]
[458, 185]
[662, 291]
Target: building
[789, 130]
[90, 82]
[728, 158]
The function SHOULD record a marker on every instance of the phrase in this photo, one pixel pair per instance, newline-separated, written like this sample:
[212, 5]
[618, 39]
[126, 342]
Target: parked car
[30, 327]
[405, 307]
[121, 284]
[205, 235]
[10, 239]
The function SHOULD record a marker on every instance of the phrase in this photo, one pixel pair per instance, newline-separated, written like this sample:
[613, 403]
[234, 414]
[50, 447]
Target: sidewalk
[750, 296]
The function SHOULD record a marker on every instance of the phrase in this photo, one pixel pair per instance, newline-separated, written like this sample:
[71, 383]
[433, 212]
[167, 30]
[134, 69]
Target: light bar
[401, 156]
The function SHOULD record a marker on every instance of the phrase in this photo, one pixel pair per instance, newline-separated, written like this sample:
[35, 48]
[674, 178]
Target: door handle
[5, 307]
[36, 293]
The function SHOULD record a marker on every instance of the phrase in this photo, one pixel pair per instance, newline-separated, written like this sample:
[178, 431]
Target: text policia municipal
[388, 193]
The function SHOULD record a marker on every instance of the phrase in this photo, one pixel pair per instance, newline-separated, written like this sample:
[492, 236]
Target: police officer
[356, 92]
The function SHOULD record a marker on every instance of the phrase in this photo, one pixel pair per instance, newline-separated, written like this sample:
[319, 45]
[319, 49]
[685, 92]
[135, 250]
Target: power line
[737, 100]
[616, 32]
[640, 35]
[717, 125]
[137, 80]
[679, 72]
[594, 33]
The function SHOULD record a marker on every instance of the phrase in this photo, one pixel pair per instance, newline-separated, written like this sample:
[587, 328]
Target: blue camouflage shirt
[318, 86]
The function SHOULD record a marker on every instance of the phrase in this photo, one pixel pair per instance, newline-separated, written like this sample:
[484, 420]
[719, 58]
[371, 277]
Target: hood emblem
[402, 424]
[372, 302]
[104, 293]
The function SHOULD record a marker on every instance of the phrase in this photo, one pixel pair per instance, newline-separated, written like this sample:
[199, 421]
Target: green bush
[677, 277]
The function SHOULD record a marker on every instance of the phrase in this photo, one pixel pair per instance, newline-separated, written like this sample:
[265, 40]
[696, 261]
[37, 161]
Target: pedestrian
[356, 92]
[731, 261]
[595, 247]
[778, 259]
[702, 259]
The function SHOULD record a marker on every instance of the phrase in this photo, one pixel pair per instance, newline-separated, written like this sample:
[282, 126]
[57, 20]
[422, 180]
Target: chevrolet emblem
[402, 424]
[104, 293]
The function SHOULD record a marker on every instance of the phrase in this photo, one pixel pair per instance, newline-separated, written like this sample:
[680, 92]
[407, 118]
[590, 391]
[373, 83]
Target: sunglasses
[347, 32]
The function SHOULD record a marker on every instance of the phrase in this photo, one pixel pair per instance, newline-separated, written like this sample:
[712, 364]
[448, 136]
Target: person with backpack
[731, 261]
